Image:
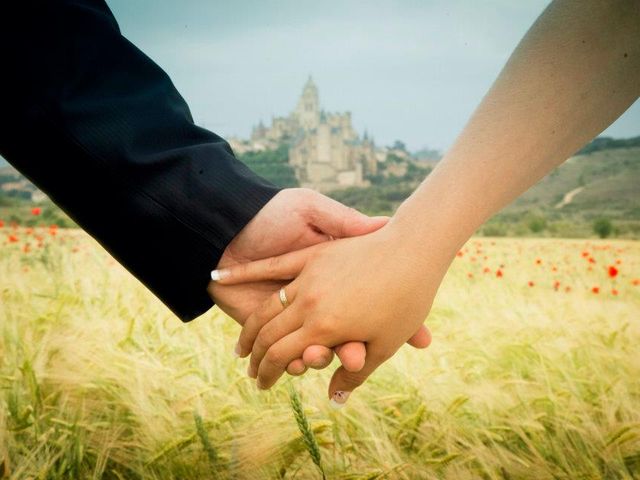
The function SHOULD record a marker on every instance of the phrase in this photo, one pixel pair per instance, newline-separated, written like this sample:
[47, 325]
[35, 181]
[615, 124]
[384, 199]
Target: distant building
[326, 152]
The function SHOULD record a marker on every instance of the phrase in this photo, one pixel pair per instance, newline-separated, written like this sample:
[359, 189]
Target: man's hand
[294, 219]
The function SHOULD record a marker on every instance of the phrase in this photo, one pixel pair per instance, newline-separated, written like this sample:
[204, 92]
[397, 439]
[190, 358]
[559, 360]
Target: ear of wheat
[308, 437]
[206, 443]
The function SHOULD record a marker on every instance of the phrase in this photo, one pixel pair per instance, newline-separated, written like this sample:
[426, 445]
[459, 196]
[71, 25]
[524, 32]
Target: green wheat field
[534, 373]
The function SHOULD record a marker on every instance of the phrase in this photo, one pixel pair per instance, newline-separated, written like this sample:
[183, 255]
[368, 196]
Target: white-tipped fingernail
[219, 274]
[339, 398]
[237, 351]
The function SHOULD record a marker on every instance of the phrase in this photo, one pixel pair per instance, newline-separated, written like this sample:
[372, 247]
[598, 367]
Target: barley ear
[308, 437]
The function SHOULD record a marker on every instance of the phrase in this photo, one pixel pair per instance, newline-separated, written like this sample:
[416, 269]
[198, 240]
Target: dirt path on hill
[568, 197]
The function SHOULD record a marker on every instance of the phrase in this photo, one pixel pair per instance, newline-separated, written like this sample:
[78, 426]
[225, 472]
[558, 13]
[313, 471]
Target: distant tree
[603, 227]
[391, 158]
[272, 165]
[606, 143]
[399, 145]
[537, 223]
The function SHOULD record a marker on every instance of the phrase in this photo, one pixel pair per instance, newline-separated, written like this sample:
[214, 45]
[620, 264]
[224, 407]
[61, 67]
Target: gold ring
[283, 298]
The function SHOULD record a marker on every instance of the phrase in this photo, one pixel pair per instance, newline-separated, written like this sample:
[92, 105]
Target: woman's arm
[574, 72]
[572, 75]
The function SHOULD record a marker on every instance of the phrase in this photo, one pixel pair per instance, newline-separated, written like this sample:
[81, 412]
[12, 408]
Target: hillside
[601, 184]
[609, 180]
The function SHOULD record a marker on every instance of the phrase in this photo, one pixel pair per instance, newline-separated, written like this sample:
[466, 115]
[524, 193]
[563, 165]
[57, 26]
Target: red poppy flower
[592, 260]
[486, 270]
[499, 273]
[538, 261]
[556, 285]
[531, 284]
[595, 290]
[36, 211]
[585, 254]
[635, 282]
[13, 239]
[614, 292]
[1, 224]
[612, 271]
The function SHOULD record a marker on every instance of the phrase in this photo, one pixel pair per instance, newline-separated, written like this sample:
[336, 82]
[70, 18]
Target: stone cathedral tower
[308, 109]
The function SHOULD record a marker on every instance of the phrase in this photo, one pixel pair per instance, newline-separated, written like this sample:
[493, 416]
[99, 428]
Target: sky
[412, 70]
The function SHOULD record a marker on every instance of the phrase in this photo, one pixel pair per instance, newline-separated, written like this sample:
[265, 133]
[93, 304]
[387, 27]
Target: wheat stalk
[206, 443]
[308, 437]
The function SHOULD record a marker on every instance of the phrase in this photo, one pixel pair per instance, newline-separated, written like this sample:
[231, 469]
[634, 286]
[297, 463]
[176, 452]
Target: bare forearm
[573, 74]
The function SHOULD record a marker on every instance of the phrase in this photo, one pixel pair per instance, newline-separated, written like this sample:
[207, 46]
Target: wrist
[435, 221]
[422, 244]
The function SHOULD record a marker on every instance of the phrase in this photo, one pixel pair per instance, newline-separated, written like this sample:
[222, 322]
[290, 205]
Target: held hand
[293, 219]
[363, 289]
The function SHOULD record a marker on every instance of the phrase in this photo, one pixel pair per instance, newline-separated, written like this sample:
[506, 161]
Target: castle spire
[310, 86]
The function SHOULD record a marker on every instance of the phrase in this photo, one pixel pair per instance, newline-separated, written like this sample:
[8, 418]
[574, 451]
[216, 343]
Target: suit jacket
[100, 128]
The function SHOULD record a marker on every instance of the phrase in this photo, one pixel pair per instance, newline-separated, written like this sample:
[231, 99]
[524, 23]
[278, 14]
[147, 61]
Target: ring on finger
[283, 298]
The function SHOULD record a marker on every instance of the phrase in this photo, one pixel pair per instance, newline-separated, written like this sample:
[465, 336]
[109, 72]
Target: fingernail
[339, 398]
[219, 274]
[259, 384]
[237, 351]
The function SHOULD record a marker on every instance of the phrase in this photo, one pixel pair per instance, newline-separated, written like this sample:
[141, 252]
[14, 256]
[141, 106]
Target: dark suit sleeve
[100, 128]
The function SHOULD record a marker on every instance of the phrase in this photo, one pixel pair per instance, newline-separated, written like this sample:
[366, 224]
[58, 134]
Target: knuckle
[276, 357]
[352, 212]
[261, 343]
[242, 269]
[272, 265]
[248, 330]
[261, 318]
[306, 193]
[324, 328]
[353, 379]
[310, 300]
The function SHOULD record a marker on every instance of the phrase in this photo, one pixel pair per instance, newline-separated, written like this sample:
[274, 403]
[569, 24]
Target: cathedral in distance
[325, 151]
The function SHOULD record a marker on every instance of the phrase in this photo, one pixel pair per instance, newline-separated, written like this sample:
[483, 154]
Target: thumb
[420, 339]
[337, 220]
[344, 382]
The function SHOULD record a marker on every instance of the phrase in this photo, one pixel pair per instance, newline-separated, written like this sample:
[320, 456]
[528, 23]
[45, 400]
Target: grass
[98, 380]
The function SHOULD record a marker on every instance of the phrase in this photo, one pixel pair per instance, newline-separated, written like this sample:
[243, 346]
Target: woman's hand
[295, 218]
[366, 289]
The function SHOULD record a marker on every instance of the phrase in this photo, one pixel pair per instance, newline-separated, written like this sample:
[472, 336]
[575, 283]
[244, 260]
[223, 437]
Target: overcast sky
[410, 70]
